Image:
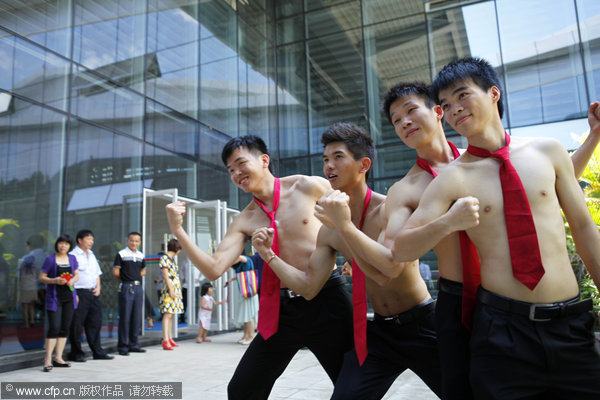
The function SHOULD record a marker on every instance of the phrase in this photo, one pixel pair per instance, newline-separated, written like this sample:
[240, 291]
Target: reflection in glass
[589, 26]
[395, 52]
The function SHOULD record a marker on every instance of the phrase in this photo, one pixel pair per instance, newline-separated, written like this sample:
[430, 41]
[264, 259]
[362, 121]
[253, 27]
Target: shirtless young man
[323, 324]
[402, 335]
[525, 342]
[417, 121]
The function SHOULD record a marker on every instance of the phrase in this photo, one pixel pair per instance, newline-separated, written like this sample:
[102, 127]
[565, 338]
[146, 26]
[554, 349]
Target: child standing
[206, 307]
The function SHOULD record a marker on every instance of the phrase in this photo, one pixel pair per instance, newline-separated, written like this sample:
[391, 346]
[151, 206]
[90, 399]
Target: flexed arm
[215, 265]
[581, 156]
[372, 257]
[437, 216]
[309, 283]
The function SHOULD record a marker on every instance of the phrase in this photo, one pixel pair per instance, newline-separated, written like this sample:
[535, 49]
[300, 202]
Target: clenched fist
[175, 213]
[332, 209]
[464, 213]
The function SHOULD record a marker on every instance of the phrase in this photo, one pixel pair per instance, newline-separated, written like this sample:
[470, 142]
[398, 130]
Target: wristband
[271, 259]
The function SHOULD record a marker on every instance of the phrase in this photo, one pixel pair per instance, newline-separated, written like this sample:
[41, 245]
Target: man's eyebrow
[234, 161]
[458, 89]
[335, 152]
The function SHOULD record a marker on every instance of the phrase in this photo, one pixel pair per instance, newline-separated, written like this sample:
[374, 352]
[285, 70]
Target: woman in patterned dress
[170, 297]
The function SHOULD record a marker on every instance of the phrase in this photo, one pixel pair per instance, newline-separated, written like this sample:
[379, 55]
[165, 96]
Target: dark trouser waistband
[417, 312]
[335, 279]
[136, 283]
[450, 287]
[535, 312]
[84, 290]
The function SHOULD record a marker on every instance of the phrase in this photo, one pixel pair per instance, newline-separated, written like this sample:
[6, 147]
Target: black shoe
[123, 353]
[103, 357]
[137, 350]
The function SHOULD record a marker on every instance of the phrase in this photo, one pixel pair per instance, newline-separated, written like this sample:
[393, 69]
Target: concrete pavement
[205, 369]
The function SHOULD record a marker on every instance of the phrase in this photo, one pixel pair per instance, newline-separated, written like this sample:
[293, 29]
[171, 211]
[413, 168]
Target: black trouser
[323, 325]
[88, 316]
[513, 357]
[394, 346]
[130, 316]
[59, 321]
[453, 342]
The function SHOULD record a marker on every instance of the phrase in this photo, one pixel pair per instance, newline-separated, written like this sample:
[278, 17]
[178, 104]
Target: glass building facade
[102, 98]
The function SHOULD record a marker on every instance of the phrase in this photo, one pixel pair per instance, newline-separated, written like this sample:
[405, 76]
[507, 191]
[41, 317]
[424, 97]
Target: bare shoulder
[312, 185]
[407, 191]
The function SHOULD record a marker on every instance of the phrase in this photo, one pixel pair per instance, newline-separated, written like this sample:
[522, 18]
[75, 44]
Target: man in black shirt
[129, 267]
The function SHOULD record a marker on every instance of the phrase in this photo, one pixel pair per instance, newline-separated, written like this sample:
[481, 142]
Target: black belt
[416, 313]
[450, 287]
[535, 312]
[335, 279]
[84, 290]
[136, 283]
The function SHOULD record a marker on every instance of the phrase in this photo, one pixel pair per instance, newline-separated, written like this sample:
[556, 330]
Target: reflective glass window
[337, 90]
[291, 100]
[334, 19]
[47, 23]
[167, 171]
[37, 73]
[375, 11]
[542, 61]
[395, 51]
[394, 160]
[174, 43]
[98, 99]
[31, 161]
[589, 26]
[291, 166]
[166, 129]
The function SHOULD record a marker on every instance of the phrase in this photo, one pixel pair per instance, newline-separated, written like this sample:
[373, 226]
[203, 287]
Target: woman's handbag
[247, 282]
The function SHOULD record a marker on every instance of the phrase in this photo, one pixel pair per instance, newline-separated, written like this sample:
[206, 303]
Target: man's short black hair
[478, 69]
[83, 233]
[355, 137]
[134, 233]
[404, 89]
[63, 238]
[251, 142]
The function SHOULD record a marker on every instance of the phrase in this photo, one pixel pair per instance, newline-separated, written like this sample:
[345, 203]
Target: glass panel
[336, 83]
[294, 166]
[396, 51]
[291, 100]
[382, 10]
[166, 129]
[31, 170]
[166, 170]
[290, 29]
[97, 99]
[589, 15]
[394, 160]
[256, 15]
[315, 4]
[174, 40]
[540, 49]
[45, 22]
[286, 8]
[37, 73]
[254, 85]
[218, 67]
[334, 19]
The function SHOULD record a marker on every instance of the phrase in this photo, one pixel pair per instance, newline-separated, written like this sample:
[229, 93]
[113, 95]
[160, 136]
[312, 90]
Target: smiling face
[63, 247]
[414, 122]
[341, 169]
[247, 168]
[468, 108]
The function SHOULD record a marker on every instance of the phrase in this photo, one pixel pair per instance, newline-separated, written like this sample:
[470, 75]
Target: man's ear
[439, 112]
[265, 159]
[495, 92]
[366, 164]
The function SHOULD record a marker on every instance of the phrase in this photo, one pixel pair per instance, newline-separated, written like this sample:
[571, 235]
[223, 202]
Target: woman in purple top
[59, 272]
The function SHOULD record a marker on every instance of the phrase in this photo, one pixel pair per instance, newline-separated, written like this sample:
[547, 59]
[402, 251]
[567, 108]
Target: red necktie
[268, 310]
[470, 259]
[520, 228]
[359, 298]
